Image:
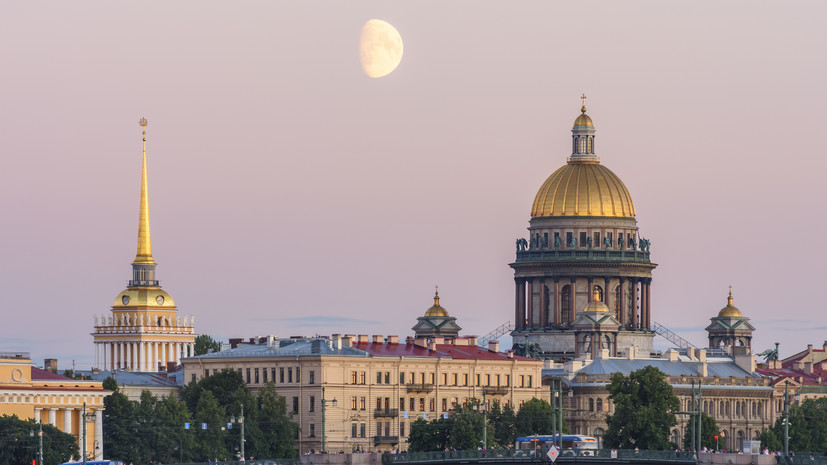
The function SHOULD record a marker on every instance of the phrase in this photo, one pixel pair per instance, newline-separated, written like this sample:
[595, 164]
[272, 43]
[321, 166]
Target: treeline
[463, 429]
[203, 424]
[808, 428]
[19, 442]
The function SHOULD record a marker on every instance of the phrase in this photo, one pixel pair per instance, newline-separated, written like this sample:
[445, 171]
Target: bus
[572, 443]
[96, 462]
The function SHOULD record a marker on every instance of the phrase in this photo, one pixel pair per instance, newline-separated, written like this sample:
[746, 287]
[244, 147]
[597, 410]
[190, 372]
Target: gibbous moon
[380, 48]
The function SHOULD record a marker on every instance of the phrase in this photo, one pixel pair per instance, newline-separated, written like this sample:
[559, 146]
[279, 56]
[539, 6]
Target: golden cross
[730, 290]
[583, 98]
[436, 290]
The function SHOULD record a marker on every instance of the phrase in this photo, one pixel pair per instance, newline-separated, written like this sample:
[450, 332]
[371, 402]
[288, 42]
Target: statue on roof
[770, 354]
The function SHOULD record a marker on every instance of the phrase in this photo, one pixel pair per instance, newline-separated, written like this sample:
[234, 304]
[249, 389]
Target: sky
[291, 194]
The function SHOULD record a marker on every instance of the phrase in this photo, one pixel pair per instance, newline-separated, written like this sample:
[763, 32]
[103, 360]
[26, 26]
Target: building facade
[46, 397]
[358, 393]
[144, 331]
[583, 245]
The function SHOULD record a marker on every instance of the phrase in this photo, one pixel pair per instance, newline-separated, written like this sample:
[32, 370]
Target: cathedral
[144, 332]
[583, 253]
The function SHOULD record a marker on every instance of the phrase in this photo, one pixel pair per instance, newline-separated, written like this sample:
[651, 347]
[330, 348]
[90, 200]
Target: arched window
[607, 343]
[726, 409]
[565, 304]
[676, 437]
[583, 148]
[740, 440]
[590, 150]
[591, 404]
[599, 292]
[599, 404]
[760, 409]
[737, 409]
[618, 301]
[546, 304]
[586, 345]
[574, 144]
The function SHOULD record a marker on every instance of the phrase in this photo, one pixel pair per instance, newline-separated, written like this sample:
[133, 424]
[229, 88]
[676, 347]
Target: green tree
[643, 416]
[808, 426]
[175, 443]
[120, 428]
[212, 441]
[502, 426]
[275, 424]
[535, 417]
[205, 344]
[19, 442]
[465, 430]
[770, 441]
[428, 436]
[223, 386]
[708, 432]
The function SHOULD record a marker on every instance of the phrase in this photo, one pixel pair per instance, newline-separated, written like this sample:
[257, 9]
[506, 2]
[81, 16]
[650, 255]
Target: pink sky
[292, 195]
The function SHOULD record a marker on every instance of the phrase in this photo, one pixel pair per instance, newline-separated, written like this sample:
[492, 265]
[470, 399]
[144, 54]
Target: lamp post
[324, 429]
[786, 418]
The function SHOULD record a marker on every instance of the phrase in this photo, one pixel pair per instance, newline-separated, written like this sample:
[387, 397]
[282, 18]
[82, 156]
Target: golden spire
[583, 99]
[729, 299]
[436, 296]
[144, 255]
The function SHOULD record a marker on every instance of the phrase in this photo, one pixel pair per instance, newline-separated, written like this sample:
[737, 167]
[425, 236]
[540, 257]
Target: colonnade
[72, 416]
[143, 356]
[548, 311]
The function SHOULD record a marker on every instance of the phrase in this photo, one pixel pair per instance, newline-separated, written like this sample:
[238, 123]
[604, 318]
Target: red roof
[46, 375]
[469, 352]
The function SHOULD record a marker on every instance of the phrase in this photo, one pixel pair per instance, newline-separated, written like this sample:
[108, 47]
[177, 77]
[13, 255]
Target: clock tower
[144, 331]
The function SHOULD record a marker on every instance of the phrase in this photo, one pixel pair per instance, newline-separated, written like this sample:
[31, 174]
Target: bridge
[496, 456]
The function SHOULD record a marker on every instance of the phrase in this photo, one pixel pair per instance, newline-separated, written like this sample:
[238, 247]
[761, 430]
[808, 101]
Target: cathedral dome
[139, 297]
[583, 119]
[730, 311]
[583, 189]
[436, 309]
[596, 306]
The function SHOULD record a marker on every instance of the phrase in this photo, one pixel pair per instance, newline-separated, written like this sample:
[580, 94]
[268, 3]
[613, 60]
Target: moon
[380, 48]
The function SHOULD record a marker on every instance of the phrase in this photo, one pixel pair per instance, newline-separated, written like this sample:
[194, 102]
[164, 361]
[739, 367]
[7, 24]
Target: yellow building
[144, 331]
[359, 393]
[32, 393]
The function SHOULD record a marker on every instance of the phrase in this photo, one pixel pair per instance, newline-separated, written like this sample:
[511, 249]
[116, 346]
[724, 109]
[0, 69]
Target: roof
[133, 378]
[39, 374]
[723, 368]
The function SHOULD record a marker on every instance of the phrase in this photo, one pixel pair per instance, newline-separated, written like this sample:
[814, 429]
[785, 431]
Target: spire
[436, 296]
[729, 299]
[144, 254]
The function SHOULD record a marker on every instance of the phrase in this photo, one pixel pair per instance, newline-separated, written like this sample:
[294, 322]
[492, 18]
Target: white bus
[572, 443]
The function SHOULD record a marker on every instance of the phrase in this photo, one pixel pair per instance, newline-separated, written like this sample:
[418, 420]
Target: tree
[770, 441]
[808, 426]
[708, 432]
[205, 344]
[643, 416]
[428, 436]
[502, 426]
[535, 417]
[223, 385]
[212, 441]
[465, 430]
[19, 442]
[275, 423]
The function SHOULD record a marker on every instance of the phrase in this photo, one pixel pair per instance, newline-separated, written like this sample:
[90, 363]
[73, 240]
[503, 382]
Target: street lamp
[786, 420]
[334, 403]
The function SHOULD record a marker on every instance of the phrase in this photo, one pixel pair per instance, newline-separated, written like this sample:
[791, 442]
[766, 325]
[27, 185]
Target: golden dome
[596, 306]
[730, 311]
[583, 119]
[583, 188]
[436, 309]
[141, 297]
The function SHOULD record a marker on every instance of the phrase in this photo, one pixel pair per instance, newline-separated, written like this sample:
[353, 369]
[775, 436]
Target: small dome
[596, 306]
[583, 119]
[730, 311]
[436, 309]
[144, 297]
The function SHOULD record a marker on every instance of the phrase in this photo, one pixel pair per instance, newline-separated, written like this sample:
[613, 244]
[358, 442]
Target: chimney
[347, 341]
[493, 346]
[409, 340]
[337, 342]
[690, 352]
[439, 340]
[702, 369]
[809, 348]
[702, 355]
[808, 367]
[378, 339]
[421, 342]
[432, 346]
[393, 339]
[363, 339]
[50, 364]
[631, 353]
[510, 354]
[472, 340]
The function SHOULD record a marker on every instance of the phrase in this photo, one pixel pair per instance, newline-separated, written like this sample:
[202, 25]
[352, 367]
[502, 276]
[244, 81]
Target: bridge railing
[531, 455]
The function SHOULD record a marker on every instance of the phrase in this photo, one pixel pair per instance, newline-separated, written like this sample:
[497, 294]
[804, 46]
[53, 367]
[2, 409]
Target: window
[387, 377]
[465, 379]
[281, 375]
[387, 428]
[432, 377]
[478, 380]
[565, 304]
[264, 374]
[596, 240]
[412, 404]
[378, 377]
[387, 403]
[312, 377]
[498, 379]
[255, 372]
[352, 377]
[529, 380]
[456, 379]
[290, 375]
[193, 377]
[362, 403]
[432, 404]
[591, 404]
[401, 378]
[353, 403]
[362, 378]
[599, 405]
[569, 238]
[401, 403]
[298, 375]
[444, 379]
[488, 380]
[545, 239]
[421, 404]
[248, 376]
[402, 428]
[522, 380]
[583, 239]
[444, 404]
[412, 378]
[378, 403]
[312, 404]
[353, 427]
[295, 405]
[362, 430]
[508, 380]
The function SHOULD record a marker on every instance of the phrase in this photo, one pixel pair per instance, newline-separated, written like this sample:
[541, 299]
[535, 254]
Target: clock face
[160, 300]
[125, 300]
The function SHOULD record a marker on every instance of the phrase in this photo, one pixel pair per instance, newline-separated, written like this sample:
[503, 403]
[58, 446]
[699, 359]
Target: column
[530, 303]
[543, 304]
[521, 303]
[37, 415]
[517, 318]
[556, 301]
[157, 349]
[53, 416]
[622, 301]
[99, 433]
[634, 303]
[606, 292]
[67, 420]
[573, 298]
[648, 303]
[590, 290]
